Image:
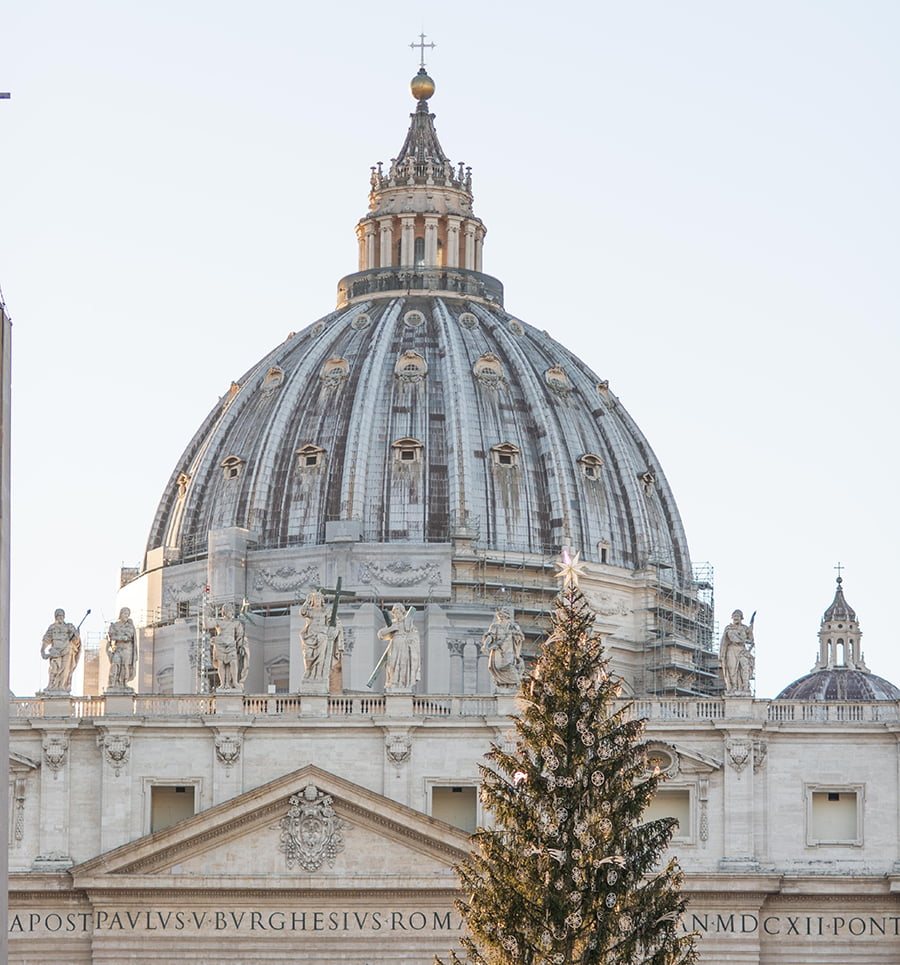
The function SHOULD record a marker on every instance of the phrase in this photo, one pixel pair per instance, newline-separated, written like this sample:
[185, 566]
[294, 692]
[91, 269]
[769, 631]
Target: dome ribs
[538, 400]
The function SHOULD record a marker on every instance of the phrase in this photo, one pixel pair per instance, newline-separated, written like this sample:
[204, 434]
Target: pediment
[307, 829]
[675, 758]
[695, 762]
[19, 762]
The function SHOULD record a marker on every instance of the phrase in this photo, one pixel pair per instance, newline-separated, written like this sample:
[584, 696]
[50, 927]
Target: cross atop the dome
[422, 45]
[839, 567]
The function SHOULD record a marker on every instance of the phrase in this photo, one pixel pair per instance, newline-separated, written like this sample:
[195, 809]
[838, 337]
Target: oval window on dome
[410, 367]
[468, 320]
[413, 319]
[361, 322]
[516, 327]
[318, 328]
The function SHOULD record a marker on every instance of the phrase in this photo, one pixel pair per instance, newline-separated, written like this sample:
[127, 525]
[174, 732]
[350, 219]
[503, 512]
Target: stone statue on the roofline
[61, 645]
[231, 652]
[122, 652]
[403, 655]
[503, 644]
[323, 644]
[736, 659]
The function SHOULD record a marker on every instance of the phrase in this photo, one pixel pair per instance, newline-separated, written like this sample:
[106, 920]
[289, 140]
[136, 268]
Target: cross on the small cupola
[422, 45]
[839, 567]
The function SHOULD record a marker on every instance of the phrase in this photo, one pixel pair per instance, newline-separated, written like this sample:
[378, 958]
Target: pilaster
[453, 226]
[386, 234]
[431, 241]
[469, 228]
[407, 239]
[54, 851]
[227, 566]
[739, 739]
[369, 258]
[114, 744]
[228, 761]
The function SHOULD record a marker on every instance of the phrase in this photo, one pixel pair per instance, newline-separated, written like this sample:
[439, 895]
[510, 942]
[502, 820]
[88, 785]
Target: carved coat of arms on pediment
[311, 833]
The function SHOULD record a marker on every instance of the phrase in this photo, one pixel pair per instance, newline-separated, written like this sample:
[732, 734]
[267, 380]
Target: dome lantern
[840, 672]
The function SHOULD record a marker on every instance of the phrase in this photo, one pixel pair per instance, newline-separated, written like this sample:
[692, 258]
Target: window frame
[858, 790]
[680, 835]
[147, 785]
[430, 783]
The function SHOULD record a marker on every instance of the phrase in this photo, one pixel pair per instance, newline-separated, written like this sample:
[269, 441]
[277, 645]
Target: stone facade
[421, 448]
[771, 877]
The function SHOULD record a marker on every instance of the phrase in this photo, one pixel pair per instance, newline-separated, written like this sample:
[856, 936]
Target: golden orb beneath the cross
[422, 86]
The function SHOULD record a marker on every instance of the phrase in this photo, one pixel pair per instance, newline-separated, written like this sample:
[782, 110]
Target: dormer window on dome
[182, 483]
[407, 451]
[335, 370]
[506, 455]
[558, 380]
[273, 379]
[488, 370]
[591, 465]
[232, 467]
[310, 457]
[410, 367]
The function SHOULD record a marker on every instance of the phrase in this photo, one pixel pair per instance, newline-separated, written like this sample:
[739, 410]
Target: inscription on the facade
[806, 926]
[179, 920]
[75, 923]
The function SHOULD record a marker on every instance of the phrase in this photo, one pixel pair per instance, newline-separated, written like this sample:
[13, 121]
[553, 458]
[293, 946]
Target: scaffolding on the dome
[679, 659]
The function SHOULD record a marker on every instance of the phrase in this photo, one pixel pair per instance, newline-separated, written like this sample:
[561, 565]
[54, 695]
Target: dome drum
[396, 281]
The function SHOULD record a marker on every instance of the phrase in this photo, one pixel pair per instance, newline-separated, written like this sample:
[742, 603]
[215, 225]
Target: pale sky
[698, 198]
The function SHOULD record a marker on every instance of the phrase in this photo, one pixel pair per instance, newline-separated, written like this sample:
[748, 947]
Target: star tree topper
[570, 570]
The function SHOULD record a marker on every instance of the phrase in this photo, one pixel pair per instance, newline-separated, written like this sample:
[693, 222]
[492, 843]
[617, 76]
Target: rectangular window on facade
[457, 805]
[170, 804]
[834, 815]
[672, 802]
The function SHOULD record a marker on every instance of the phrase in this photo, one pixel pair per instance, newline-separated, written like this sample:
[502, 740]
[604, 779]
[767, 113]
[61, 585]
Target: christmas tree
[570, 873]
